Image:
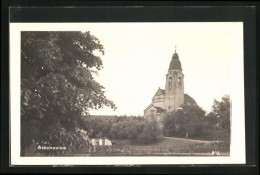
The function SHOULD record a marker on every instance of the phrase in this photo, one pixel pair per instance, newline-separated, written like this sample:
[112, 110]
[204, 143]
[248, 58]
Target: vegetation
[58, 89]
[135, 129]
[221, 117]
[186, 122]
[191, 122]
[165, 146]
[57, 86]
[221, 113]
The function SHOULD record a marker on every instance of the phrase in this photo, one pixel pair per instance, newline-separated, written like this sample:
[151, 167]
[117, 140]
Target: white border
[237, 151]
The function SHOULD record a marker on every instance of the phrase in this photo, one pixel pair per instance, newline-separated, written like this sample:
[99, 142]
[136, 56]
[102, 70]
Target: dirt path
[191, 140]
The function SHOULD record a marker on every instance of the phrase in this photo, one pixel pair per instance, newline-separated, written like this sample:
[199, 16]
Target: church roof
[189, 99]
[160, 92]
[175, 62]
[148, 107]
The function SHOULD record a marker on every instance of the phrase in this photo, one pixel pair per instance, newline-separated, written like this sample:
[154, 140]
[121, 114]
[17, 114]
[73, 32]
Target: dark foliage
[185, 122]
[57, 86]
[191, 122]
[135, 129]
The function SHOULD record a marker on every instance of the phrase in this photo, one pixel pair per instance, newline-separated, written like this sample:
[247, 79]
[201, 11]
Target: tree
[221, 115]
[185, 122]
[212, 118]
[133, 128]
[193, 120]
[118, 130]
[57, 85]
[151, 133]
[169, 128]
[221, 109]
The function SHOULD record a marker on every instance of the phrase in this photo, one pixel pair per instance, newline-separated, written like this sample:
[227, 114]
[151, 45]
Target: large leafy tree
[151, 132]
[169, 125]
[57, 85]
[185, 122]
[221, 111]
[220, 115]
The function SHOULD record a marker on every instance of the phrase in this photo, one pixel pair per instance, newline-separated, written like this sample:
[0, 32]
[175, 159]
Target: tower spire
[175, 48]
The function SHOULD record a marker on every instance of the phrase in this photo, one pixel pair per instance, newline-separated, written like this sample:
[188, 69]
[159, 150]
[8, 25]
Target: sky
[137, 58]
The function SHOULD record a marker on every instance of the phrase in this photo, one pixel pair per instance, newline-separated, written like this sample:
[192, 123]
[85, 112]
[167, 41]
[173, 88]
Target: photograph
[136, 90]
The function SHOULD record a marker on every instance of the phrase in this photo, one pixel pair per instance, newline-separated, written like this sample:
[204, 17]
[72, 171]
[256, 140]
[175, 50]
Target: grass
[166, 146]
[178, 144]
[212, 133]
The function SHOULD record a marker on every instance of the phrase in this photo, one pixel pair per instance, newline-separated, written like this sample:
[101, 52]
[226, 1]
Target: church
[172, 97]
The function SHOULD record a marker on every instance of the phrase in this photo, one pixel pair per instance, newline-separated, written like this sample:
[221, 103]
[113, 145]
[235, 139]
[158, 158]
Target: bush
[151, 133]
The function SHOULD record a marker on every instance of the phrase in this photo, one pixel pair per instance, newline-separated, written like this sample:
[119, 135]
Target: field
[167, 146]
[177, 143]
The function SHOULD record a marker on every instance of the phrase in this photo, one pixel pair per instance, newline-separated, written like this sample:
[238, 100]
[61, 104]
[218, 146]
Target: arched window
[170, 80]
[179, 80]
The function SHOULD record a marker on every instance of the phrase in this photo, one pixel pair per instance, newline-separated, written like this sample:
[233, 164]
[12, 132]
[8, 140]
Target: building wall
[151, 113]
[158, 101]
[146, 111]
[100, 141]
[95, 141]
[104, 142]
[174, 90]
[108, 142]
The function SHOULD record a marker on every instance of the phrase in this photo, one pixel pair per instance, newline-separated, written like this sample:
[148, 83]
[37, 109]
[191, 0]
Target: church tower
[174, 88]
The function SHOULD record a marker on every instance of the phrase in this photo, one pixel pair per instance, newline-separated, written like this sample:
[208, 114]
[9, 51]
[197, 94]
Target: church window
[179, 80]
[170, 80]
